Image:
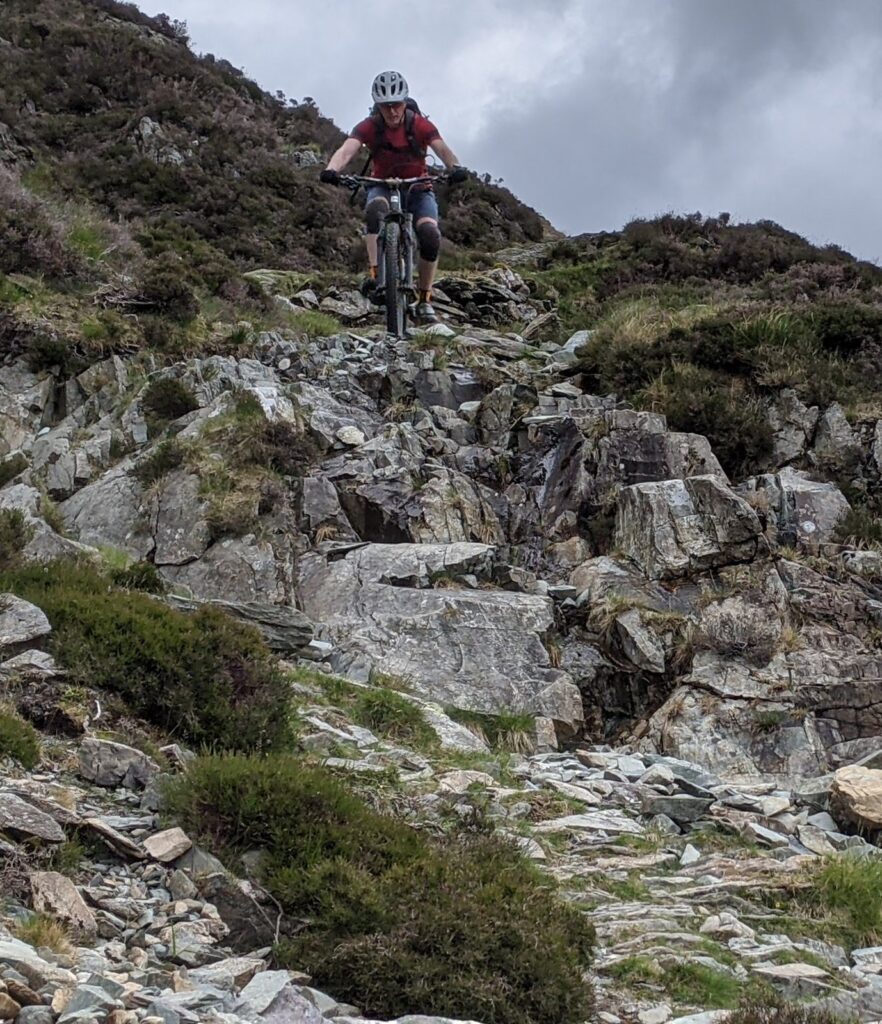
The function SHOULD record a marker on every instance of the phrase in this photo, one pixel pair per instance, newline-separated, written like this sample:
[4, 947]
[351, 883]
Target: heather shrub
[166, 399]
[165, 457]
[15, 532]
[140, 575]
[204, 677]
[11, 466]
[18, 739]
[165, 289]
[462, 927]
[31, 241]
[699, 401]
[848, 327]
[250, 439]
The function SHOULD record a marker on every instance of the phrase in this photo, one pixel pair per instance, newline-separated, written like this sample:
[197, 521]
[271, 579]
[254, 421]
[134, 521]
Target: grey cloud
[766, 110]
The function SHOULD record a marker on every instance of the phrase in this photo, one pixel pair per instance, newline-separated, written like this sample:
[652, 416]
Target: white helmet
[389, 87]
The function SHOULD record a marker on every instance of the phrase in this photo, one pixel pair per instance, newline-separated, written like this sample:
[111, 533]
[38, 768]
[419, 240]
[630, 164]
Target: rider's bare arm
[444, 153]
[344, 154]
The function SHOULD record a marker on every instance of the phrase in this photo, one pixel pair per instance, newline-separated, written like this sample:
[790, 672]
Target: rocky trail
[689, 665]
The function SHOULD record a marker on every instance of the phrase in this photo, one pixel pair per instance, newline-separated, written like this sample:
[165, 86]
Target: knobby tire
[395, 298]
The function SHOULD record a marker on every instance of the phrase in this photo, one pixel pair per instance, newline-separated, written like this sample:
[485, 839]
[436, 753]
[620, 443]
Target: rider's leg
[429, 243]
[376, 207]
[424, 207]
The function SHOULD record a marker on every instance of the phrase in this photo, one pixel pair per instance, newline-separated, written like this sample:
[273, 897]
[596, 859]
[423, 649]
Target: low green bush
[165, 289]
[11, 466]
[700, 401]
[165, 457]
[141, 575]
[18, 739]
[166, 399]
[851, 890]
[15, 532]
[462, 927]
[315, 324]
[204, 677]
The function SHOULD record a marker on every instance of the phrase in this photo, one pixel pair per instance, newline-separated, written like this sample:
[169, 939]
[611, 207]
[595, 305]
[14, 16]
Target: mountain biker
[398, 140]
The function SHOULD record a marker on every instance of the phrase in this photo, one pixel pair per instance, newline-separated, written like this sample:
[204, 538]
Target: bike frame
[404, 291]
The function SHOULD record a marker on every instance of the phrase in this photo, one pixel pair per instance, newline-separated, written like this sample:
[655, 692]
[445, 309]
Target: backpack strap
[381, 143]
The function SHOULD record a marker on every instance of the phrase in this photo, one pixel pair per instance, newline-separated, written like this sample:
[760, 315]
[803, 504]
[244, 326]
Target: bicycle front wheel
[395, 297]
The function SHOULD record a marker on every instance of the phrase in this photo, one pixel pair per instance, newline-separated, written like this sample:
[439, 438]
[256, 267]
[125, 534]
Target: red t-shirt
[399, 162]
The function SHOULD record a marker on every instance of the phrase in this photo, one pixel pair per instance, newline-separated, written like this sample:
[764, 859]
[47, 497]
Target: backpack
[412, 108]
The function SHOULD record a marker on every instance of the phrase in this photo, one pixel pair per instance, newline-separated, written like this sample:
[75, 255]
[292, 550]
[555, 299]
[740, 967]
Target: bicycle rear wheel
[395, 297]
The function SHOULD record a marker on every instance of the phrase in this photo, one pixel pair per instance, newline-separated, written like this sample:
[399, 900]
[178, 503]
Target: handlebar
[355, 181]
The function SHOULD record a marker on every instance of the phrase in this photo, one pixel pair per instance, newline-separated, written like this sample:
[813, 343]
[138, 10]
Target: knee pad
[429, 238]
[373, 214]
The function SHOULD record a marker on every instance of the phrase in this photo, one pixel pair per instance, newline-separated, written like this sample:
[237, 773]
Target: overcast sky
[599, 111]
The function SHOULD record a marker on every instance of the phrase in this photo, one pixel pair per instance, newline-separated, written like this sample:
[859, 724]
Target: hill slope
[101, 102]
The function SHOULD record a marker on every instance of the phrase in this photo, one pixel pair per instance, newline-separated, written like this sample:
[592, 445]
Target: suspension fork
[409, 246]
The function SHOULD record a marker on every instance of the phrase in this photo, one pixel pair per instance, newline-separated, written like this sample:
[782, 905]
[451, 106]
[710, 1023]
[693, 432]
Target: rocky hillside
[522, 671]
[482, 627]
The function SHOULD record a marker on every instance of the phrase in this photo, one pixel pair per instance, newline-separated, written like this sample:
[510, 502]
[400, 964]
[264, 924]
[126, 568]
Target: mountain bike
[396, 246]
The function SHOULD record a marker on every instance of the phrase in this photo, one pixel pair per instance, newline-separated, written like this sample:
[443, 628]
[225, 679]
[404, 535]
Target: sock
[373, 273]
[425, 296]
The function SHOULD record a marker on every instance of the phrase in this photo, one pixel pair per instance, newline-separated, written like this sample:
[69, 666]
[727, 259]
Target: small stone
[824, 821]
[655, 1015]
[665, 825]
[766, 836]
[263, 989]
[658, 775]
[726, 926]
[462, 781]
[168, 845]
[35, 1015]
[440, 331]
[689, 856]
[22, 992]
[792, 972]
[114, 764]
[9, 1008]
[679, 807]
[351, 436]
[20, 621]
[181, 886]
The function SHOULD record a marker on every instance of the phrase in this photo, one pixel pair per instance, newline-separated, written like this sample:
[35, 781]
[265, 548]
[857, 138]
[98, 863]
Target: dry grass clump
[737, 629]
[42, 931]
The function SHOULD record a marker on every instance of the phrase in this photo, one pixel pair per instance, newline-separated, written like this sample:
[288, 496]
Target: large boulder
[580, 456]
[56, 895]
[20, 621]
[856, 797]
[114, 764]
[24, 399]
[801, 512]
[793, 425]
[671, 528]
[478, 649]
